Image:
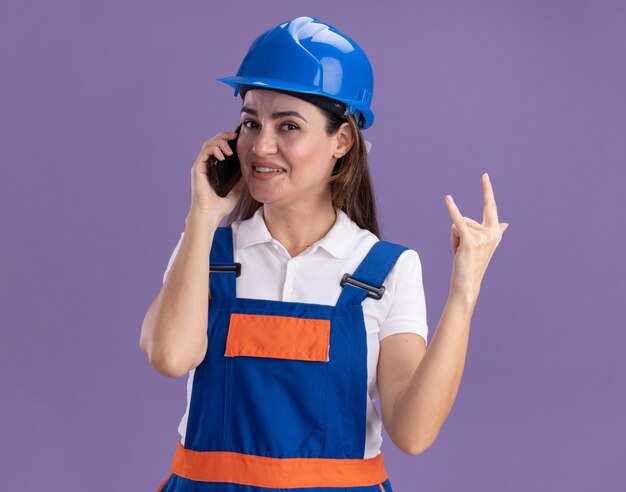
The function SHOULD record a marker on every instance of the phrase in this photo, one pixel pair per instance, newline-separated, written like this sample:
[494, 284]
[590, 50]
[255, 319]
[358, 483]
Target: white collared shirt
[269, 272]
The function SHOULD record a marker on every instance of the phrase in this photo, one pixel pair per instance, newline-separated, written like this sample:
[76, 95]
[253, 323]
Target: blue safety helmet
[308, 56]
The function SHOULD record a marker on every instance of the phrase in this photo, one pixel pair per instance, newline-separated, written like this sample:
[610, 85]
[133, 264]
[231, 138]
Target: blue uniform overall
[279, 401]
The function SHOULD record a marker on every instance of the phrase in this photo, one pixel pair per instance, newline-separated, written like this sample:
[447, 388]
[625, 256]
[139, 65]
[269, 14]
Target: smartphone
[224, 174]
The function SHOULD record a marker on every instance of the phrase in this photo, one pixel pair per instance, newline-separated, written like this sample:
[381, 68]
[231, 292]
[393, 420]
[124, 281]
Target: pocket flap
[281, 337]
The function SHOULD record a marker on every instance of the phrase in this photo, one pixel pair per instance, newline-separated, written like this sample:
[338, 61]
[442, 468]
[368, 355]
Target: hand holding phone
[223, 174]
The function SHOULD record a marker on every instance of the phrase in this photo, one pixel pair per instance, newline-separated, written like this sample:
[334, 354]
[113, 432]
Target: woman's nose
[264, 143]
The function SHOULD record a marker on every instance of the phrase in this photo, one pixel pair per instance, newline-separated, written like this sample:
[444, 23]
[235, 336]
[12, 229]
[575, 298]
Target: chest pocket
[276, 384]
[281, 337]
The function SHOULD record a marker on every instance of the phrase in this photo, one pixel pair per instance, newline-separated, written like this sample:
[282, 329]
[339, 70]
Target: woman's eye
[252, 124]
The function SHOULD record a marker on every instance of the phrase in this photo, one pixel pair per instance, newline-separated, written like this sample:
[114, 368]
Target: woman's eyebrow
[275, 116]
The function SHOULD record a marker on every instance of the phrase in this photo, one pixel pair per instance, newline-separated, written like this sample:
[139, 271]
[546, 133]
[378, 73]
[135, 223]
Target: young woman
[310, 316]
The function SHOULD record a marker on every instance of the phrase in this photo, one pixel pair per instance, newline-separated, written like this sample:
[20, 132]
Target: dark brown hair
[350, 183]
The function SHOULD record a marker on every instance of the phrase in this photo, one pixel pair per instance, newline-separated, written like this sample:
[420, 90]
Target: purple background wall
[104, 107]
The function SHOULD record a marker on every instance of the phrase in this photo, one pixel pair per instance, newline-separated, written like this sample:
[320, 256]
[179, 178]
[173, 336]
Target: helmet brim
[353, 106]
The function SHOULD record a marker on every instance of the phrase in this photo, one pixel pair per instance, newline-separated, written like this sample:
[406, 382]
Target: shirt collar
[336, 241]
[253, 231]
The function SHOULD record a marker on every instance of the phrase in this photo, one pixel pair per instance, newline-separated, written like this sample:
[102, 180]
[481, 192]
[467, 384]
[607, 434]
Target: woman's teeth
[267, 170]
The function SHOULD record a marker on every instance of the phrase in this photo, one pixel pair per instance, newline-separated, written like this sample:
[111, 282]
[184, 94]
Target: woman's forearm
[174, 330]
[424, 404]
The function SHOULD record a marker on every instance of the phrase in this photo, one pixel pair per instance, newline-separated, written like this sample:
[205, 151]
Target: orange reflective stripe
[381, 487]
[281, 337]
[263, 471]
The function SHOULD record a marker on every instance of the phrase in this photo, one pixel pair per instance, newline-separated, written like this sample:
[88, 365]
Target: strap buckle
[373, 292]
[226, 268]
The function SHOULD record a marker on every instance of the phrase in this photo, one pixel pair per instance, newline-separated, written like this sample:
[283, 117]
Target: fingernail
[487, 176]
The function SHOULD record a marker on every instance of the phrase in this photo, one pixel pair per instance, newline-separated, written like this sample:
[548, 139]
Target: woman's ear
[344, 139]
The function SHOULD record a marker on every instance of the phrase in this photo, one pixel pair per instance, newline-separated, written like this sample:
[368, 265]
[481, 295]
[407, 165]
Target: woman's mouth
[267, 170]
[265, 173]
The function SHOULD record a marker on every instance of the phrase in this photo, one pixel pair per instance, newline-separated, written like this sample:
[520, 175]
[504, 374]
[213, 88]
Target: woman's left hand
[473, 244]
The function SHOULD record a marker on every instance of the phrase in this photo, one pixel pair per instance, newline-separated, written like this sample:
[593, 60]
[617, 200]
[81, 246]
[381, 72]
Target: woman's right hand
[204, 199]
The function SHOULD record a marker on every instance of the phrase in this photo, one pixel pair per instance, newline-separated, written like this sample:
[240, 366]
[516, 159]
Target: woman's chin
[262, 194]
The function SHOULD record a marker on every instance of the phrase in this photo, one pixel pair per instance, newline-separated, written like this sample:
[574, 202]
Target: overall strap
[222, 268]
[367, 279]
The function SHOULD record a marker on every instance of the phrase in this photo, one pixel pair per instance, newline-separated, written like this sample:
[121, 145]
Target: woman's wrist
[464, 297]
[200, 218]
